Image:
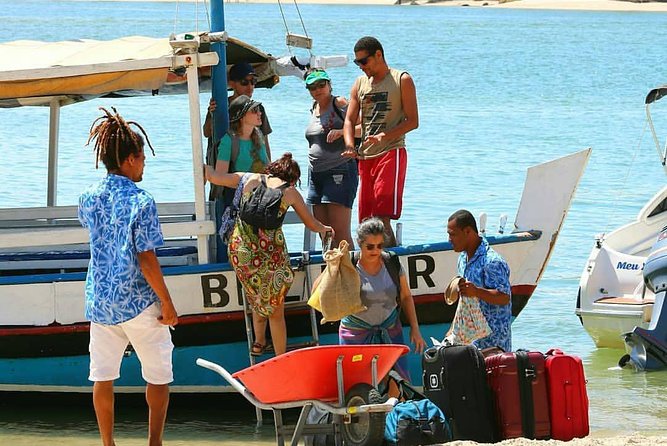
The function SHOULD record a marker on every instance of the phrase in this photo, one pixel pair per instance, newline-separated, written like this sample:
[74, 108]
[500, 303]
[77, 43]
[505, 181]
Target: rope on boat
[303, 25]
[206, 11]
[176, 16]
[621, 193]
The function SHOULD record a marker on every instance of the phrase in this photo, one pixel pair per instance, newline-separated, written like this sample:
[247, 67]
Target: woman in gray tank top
[332, 178]
[384, 297]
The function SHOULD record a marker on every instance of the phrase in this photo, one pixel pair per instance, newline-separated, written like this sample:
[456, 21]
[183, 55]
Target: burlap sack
[469, 323]
[339, 289]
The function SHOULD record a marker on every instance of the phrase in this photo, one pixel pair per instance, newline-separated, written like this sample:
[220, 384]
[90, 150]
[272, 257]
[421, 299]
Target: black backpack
[262, 208]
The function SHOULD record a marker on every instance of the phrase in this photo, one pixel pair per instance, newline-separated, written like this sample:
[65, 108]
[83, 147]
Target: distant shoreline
[581, 5]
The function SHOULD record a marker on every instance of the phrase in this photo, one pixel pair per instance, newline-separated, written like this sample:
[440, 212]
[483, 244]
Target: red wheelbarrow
[338, 379]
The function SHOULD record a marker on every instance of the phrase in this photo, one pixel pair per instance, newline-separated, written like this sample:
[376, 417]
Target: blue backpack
[413, 423]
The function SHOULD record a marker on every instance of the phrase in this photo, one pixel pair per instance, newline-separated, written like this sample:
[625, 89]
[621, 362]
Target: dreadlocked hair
[115, 140]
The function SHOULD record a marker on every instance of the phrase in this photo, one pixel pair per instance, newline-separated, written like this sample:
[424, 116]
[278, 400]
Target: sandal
[257, 349]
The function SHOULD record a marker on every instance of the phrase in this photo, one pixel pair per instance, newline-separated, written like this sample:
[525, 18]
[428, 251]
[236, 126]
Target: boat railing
[56, 229]
[54, 226]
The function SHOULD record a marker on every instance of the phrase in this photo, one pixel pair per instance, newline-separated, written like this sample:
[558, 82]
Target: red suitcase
[518, 384]
[568, 401]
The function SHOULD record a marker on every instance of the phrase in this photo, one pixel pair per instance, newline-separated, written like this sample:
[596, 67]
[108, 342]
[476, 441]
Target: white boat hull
[612, 296]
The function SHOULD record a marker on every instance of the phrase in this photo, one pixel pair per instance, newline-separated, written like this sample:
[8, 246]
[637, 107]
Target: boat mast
[219, 72]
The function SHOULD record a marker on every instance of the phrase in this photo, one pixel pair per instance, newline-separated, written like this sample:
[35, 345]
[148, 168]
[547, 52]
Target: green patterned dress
[261, 262]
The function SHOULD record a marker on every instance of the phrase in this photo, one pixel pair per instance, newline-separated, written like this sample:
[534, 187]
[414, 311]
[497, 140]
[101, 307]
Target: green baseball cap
[317, 75]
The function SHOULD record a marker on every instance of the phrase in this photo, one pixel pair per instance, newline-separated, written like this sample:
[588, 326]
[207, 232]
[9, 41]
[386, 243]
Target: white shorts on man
[150, 340]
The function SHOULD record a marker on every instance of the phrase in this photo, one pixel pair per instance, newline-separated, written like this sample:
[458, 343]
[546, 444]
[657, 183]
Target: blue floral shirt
[487, 269]
[123, 221]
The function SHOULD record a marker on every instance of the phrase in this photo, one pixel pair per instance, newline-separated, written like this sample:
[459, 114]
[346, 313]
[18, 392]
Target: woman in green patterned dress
[259, 256]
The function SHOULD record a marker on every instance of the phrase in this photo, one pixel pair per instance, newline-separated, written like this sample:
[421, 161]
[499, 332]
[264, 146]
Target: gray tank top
[378, 293]
[321, 154]
[381, 110]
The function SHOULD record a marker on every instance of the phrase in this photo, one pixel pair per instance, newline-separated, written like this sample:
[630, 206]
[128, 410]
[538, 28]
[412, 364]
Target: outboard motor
[648, 347]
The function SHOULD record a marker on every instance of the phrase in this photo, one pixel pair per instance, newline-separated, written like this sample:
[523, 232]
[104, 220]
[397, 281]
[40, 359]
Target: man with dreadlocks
[127, 300]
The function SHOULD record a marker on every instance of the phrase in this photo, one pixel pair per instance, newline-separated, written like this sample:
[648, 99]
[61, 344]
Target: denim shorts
[337, 185]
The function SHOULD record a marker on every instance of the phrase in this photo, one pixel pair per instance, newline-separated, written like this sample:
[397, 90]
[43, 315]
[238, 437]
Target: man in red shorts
[385, 101]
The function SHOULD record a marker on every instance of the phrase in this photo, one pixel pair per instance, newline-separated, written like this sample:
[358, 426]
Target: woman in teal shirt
[242, 149]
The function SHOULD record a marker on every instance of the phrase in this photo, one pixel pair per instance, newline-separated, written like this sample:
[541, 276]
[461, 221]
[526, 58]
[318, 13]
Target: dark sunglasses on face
[372, 247]
[362, 61]
[316, 85]
[251, 81]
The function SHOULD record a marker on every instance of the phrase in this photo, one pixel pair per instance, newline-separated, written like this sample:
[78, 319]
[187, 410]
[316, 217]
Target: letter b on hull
[214, 284]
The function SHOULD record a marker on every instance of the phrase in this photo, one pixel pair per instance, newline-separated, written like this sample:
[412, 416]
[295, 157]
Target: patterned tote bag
[469, 323]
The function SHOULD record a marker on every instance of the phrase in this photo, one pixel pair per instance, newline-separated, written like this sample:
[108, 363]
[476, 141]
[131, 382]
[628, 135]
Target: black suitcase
[455, 380]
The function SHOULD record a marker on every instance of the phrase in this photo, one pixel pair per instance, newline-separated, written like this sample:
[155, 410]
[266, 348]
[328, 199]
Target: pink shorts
[382, 181]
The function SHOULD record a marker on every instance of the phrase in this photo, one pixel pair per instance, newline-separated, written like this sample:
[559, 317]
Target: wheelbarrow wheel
[365, 429]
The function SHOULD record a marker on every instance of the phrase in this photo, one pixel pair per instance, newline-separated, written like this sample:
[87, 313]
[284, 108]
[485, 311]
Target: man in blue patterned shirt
[127, 300]
[487, 277]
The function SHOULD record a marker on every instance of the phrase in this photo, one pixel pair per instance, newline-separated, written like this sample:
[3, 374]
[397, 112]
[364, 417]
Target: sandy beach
[586, 5]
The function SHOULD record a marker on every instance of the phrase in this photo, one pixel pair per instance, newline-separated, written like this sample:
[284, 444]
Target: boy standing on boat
[127, 300]
[487, 277]
[386, 101]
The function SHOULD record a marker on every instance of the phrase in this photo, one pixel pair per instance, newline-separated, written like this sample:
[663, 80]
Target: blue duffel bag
[413, 423]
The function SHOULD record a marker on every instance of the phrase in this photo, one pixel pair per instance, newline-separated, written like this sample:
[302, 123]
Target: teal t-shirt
[245, 162]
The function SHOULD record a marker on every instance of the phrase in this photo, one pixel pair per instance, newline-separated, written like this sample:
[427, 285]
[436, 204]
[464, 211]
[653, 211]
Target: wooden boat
[44, 252]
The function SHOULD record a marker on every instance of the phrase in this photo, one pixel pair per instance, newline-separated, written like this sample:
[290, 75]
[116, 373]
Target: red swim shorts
[382, 180]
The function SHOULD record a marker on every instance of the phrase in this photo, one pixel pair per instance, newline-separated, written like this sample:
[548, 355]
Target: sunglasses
[251, 81]
[316, 85]
[254, 110]
[372, 247]
[362, 61]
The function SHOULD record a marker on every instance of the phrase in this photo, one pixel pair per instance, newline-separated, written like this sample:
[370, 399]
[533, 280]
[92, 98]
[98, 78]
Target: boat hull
[54, 357]
[612, 297]
[70, 373]
[606, 327]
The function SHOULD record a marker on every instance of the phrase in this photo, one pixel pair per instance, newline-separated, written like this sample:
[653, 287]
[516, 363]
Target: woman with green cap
[332, 178]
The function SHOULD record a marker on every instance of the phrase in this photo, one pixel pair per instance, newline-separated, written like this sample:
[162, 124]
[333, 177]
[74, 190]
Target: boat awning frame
[37, 73]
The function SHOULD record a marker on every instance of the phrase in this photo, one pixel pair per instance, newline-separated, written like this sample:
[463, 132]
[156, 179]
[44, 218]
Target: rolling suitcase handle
[431, 354]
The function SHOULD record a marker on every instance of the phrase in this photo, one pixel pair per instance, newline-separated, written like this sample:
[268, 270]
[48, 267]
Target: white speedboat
[613, 297]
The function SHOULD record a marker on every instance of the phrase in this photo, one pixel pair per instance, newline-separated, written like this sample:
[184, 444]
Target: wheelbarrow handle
[236, 384]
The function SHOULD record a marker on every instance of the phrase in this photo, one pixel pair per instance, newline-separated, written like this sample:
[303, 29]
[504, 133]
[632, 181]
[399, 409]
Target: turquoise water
[498, 91]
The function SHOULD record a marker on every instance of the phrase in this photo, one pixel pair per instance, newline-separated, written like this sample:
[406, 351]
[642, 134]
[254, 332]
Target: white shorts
[150, 339]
